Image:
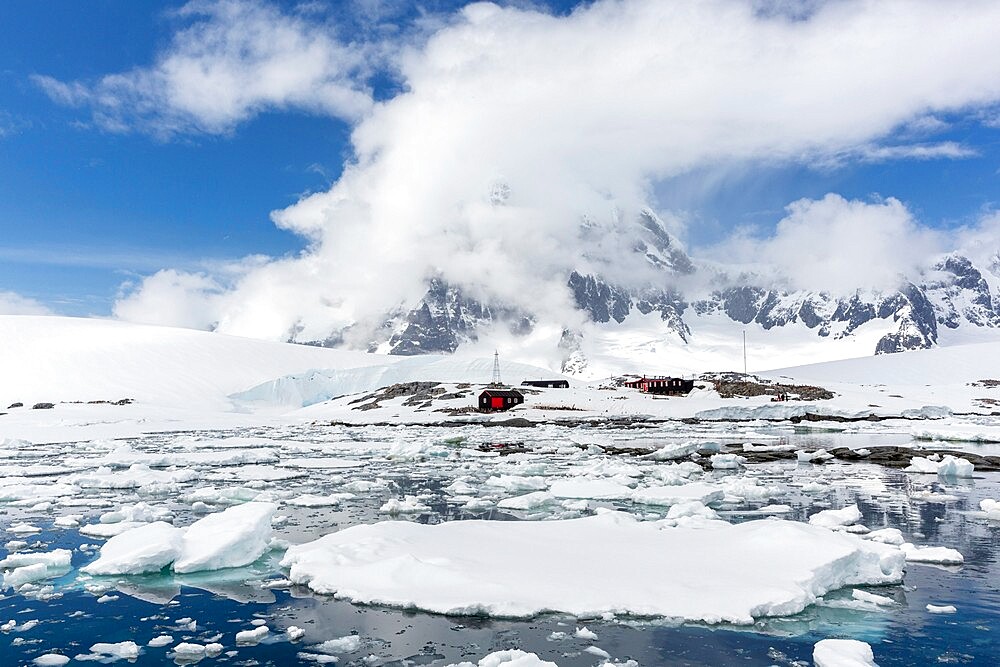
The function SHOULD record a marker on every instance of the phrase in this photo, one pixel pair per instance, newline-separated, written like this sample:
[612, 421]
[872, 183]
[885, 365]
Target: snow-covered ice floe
[843, 653]
[728, 574]
[232, 538]
[948, 466]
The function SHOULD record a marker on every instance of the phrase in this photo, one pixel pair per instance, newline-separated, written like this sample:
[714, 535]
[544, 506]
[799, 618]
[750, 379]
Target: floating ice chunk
[992, 509]
[671, 495]
[596, 489]
[122, 650]
[139, 512]
[137, 475]
[843, 653]
[819, 455]
[674, 451]
[234, 537]
[942, 609]
[528, 501]
[309, 500]
[519, 569]
[20, 576]
[148, 548]
[187, 651]
[326, 463]
[599, 652]
[346, 644]
[836, 518]
[515, 483]
[886, 536]
[478, 504]
[585, 633]
[939, 555]
[59, 558]
[161, 640]
[252, 636]
[727, 461]
[51, 659]
[691, 508]
[295, 633]
[511, 658]
[949, 466]
[23, 528]
[408, 505]
[747, 488]
[879, 600]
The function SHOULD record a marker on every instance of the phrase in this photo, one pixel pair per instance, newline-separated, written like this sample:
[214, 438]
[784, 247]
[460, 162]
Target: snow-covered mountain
[684, 307]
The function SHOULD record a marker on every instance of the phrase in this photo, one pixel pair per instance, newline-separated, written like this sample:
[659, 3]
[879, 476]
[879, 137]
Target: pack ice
[730, 573]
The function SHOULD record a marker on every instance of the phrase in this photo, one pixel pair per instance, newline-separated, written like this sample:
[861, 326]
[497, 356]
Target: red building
[496, 399]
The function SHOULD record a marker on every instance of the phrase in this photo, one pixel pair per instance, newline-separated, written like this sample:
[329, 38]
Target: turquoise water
[220, 604]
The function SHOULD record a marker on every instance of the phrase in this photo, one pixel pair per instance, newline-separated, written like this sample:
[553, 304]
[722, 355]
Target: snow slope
[53, 359]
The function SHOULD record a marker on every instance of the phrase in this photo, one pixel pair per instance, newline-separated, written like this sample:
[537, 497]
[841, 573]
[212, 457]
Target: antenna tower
[497, 382]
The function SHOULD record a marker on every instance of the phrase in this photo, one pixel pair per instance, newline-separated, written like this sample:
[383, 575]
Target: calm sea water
[220, 604]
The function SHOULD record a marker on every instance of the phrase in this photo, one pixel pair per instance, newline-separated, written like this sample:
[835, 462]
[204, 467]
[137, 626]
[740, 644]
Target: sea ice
[123, 650]
[519, 569]
[511, 658]
[51, 660]
[595, 489]
[671, 495]
[408, 505]
[991, 507]
[252, 636]
[148, 548]
[949, 466]
[938, 555]
[942, 609]
[234, 537]
[843, 653]
[836, 518]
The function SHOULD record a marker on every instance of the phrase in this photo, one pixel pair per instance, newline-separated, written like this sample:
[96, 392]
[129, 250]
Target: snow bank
[843, 653]
[519, 569]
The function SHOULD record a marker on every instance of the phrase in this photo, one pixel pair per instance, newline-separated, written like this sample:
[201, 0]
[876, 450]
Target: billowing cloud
[12, 303]
[525, 144]
[234, 59]
[835, 245]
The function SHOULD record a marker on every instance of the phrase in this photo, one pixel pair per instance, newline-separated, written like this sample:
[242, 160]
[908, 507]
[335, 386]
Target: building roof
[503, 393]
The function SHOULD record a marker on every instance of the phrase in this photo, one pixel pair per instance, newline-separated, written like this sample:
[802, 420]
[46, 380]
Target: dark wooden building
[661, 385]
[495, 400]
[548, 384]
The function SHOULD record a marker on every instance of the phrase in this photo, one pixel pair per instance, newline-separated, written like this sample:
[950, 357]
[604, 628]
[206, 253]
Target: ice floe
[519, 569]
[843, 653]
[948, 466]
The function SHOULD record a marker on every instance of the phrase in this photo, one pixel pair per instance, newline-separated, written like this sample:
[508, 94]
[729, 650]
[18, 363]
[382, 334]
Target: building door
[497, 403]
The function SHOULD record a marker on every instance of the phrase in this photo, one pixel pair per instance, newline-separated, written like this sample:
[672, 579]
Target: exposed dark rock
[43, 406]
[15, 405]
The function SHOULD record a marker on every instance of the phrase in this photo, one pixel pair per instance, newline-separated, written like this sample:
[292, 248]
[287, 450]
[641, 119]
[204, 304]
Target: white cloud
[579, 115]
[12, 303]
[235, 59]
[171, 298]
[835, 245]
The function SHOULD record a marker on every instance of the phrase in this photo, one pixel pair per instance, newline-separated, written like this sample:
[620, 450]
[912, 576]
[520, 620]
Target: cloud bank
[524, 145]
[12, 303]
[232, 61]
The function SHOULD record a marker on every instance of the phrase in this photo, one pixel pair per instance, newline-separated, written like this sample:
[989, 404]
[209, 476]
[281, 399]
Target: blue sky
[84, 208]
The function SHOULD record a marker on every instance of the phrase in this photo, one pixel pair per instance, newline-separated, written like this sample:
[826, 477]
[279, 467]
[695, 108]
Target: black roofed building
[547, 384]
[495, 399]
